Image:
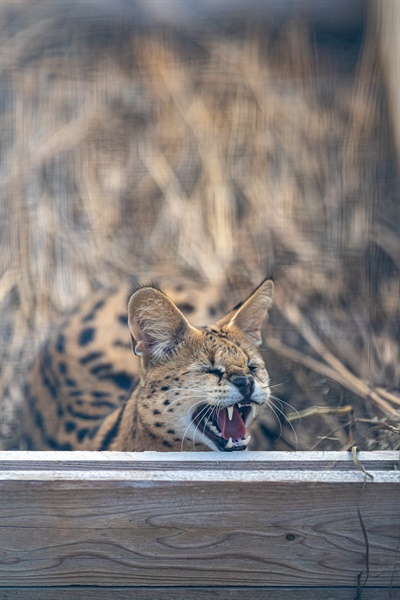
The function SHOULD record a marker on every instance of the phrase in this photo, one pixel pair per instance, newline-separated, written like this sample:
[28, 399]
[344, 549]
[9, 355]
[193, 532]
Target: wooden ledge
[238, 524]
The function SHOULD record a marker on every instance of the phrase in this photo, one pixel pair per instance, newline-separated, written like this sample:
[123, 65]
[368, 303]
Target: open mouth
[226, 427]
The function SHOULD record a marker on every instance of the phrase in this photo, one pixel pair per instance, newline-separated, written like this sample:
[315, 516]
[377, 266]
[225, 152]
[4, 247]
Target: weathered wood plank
[249, 461]
[151, 524]
[206, 593]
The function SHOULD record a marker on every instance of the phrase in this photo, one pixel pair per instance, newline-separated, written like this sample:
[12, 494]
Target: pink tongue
[235, 429]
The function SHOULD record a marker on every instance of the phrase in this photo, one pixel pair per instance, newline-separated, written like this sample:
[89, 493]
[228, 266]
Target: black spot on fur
[167, 444]
[39, 421]
[81, 434]
[86, 336]
[90, 357]
[69, 426]
[166, 402]
[91, 315]
[97, 394]
[101, 368]
[158, 424]
[102, 404]
[99, 304]
[63, 368]
[171, 431]
[81, 415]
[75, 393]
[54, 445]
[70, 382]
[122, 344]
[123, 319]
[120, 379]
[186, 307]
[156, 412]
[167, 377]
[92, 432]
[212, 311]
[28, 442]
[112, 433]
[165, 388]
[60, 344]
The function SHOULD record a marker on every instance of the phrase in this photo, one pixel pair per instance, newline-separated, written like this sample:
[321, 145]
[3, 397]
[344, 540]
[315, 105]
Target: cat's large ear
[157, 326]
[250, 315]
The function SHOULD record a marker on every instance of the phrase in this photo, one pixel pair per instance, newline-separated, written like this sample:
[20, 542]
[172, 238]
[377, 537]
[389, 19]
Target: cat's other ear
[157, 326]
[250, 315]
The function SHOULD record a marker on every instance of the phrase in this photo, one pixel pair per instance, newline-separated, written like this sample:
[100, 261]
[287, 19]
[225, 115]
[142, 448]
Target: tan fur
[80, 388]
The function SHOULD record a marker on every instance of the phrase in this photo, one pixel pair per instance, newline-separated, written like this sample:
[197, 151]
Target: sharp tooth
[229, 443]
[253, 410]
[229, 410]
[239, 404]
[246, 440]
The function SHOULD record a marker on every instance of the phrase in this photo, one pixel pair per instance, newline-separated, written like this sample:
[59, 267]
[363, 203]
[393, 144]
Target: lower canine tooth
[229, 443]
[246, 440]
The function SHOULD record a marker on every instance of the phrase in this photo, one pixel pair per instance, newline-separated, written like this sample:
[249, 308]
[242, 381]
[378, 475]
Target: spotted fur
[187, 388]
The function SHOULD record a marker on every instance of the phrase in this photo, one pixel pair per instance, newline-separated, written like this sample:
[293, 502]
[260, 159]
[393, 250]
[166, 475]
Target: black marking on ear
[90, 357]
[112, 433]
[86, 336]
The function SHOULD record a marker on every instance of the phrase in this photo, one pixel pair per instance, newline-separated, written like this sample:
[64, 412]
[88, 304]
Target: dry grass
[227, 156]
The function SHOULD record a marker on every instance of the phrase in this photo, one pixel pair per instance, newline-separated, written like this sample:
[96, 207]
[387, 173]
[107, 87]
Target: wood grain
[206, 593]
[272, 519]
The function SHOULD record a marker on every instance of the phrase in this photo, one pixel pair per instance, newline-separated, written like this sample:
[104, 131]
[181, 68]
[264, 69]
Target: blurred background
[226, 140]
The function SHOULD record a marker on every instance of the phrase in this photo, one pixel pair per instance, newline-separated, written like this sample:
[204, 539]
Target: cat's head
[200, 385]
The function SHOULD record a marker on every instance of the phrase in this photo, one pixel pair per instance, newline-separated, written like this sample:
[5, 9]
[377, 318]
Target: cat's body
[189, 388]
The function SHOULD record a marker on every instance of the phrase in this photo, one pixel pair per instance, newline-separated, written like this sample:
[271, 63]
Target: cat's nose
[245, 385]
